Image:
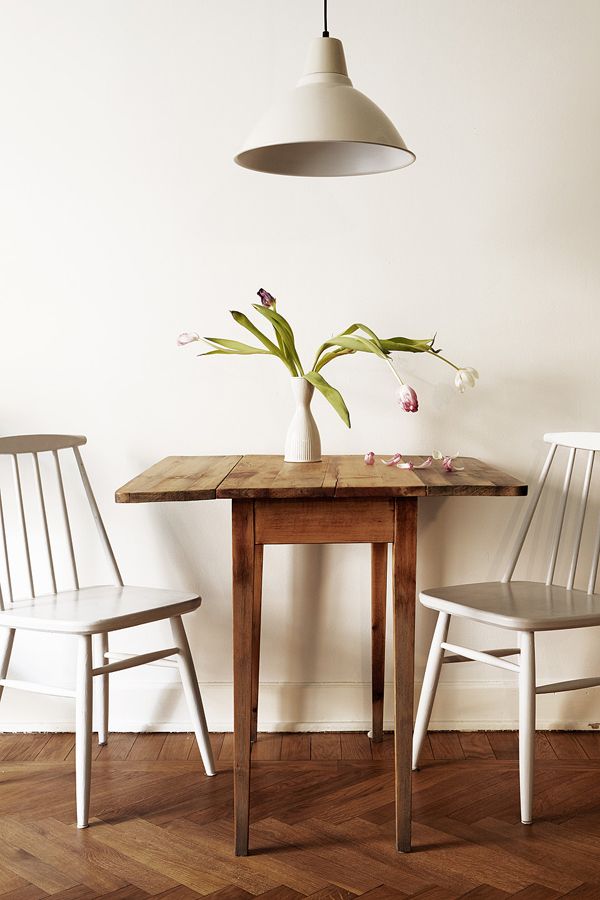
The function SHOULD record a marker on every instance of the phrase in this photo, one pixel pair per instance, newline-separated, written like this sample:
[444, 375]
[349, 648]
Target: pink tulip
[187, 337]
[369, 458]
[407, 398]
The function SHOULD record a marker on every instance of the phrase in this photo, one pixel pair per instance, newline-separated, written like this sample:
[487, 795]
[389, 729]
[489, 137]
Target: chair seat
[520, 605]
[92, 610]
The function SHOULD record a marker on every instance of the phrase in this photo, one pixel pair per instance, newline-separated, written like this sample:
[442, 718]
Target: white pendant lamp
[324, 126]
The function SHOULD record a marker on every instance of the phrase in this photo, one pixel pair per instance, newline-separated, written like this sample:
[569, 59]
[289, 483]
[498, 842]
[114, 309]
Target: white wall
[124, 221]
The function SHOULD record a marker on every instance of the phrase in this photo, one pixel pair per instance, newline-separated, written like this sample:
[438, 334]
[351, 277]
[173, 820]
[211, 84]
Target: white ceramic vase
[302, 442]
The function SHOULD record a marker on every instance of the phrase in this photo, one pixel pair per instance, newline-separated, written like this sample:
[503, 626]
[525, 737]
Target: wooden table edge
[122, 496]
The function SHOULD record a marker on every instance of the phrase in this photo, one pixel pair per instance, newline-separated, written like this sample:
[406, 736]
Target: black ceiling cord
[325, 32]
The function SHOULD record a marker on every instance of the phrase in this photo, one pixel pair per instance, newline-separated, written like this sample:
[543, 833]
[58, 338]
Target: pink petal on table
[410, 465]
[393, 461]
[369, 458]
[448, 465]
[425, 464]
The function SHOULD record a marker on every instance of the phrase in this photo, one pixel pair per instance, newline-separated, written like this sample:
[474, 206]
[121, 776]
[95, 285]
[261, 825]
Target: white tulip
[187, 337]
[465, 378]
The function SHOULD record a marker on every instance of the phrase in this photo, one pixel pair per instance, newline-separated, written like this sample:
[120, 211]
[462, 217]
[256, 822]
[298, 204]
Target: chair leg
[8, 638]
[430, 683]
[100, 647]
[526, 724]
[192, 693]
[83, 729]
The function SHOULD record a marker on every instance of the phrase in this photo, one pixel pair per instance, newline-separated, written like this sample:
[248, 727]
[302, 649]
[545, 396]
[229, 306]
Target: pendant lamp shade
[325, 127]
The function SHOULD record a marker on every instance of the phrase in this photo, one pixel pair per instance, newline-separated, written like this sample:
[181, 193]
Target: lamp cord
[325, 31]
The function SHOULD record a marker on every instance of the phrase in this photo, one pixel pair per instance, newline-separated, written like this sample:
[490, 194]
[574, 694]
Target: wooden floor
[322, 820]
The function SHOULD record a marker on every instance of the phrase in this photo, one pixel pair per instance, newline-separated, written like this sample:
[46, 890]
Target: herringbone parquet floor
[322, 820]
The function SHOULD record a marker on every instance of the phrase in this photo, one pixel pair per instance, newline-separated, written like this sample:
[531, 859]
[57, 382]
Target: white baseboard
[462, 706]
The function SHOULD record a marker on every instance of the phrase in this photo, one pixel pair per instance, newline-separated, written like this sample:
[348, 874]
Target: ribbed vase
[302, 442]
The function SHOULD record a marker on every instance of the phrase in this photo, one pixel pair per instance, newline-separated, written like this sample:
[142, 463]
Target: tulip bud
[266, 298]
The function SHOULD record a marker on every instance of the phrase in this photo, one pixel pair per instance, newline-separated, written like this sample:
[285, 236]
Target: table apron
[324, 521]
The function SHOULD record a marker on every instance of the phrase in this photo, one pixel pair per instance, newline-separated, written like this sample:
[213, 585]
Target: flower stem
[443, 358]
[391, 365]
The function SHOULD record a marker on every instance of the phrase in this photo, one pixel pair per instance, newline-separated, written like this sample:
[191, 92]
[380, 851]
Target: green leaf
[329, 357]
[285, 335]
[406, 345]
[358, 344]
[217, 352]
[373, 346]
[331, 394]
[245, 322]
[281, 338]
[234, 346]
[359, 327]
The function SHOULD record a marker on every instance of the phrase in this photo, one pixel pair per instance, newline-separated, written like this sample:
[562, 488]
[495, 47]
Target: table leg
[379, 557]
[256, 618]
[404, 587]
[243, 552]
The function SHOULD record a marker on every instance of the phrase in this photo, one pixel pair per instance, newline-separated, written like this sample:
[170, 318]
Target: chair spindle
[535, 497]
[40, 491]
[97, 517]
[581, 518]
[595, 558]
[561, 515]
[19, 492]
[65, 513]
[6, 559]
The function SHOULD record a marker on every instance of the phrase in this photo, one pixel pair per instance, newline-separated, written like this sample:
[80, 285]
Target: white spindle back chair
[90, 613]
[524, 606]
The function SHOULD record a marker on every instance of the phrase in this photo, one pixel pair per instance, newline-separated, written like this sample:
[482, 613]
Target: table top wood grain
[247, 477]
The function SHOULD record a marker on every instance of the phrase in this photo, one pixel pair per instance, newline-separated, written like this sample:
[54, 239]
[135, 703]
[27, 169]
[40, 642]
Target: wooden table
[339, 500]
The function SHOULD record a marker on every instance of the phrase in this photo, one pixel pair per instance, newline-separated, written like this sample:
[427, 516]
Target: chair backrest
[576, 442]
[34, 445]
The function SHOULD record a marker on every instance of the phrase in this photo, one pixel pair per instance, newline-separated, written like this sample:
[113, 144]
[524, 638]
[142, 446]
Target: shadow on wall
[307, 605]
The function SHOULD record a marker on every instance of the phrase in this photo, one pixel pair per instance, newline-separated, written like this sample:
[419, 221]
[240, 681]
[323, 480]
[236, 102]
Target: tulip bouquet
[357, 338]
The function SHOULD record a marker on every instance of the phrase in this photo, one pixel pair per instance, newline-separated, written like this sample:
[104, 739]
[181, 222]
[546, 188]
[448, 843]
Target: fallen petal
[369, 458]
[449, 466]
[393, 461]
[437, 454]
[425, 464]
[407, 465]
